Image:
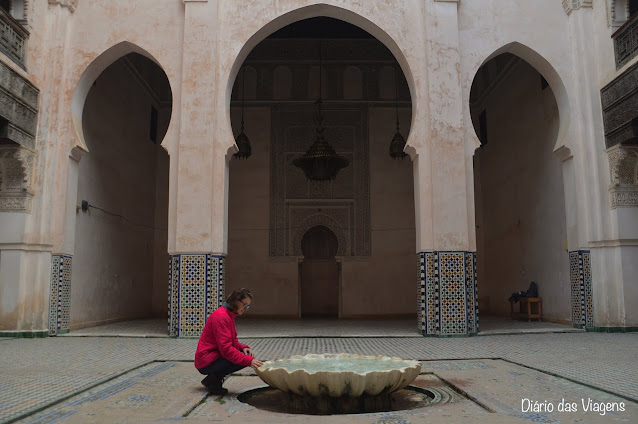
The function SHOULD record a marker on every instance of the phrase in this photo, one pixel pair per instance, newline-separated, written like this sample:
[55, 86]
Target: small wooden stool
[527, 310]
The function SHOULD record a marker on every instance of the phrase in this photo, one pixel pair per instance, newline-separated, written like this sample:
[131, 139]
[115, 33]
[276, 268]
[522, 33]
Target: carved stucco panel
[297, 204]
[623, 169]
[16, 178]
[570, 5]
[71, 4]
[336, 219]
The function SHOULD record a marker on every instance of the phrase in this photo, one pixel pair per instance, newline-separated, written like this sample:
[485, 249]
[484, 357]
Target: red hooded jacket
[219, 338]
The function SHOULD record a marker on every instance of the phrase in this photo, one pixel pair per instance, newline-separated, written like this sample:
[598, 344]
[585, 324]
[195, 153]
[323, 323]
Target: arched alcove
[119, 265]
[368, 207]
[518, 112]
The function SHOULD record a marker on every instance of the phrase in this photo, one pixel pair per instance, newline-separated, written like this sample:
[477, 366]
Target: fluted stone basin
[339, 375]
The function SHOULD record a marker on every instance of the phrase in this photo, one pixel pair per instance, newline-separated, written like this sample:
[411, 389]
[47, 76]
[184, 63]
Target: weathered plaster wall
[520, 201]
[384, 283]
[272, 283]
[24, 290]
[124, 173]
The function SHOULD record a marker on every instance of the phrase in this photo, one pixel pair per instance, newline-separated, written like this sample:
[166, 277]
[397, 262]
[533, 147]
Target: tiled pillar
[447, 294]
[582, 300]
[195, 290]
[60, 296]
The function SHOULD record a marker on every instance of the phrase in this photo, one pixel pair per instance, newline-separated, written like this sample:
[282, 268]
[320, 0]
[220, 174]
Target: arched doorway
[319, 274]
[369, 206]
[521, 228]
[119, 266]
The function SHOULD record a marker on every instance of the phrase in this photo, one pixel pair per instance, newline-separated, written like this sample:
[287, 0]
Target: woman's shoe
[214, 385]
[217, 390]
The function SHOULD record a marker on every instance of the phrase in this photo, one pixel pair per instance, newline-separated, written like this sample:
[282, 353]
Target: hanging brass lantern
[398, 142]
[321, 162]
[243, 144]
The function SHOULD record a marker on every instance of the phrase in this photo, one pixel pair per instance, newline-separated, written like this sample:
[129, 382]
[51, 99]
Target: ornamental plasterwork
[570, 5]
[615, 17]
[16, 178]
[336, 219]
[296, 204]
[623, 169]
[71, 4]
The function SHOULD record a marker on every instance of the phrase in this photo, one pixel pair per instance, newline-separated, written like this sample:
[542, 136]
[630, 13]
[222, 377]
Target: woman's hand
[248, 351]
[256, 363]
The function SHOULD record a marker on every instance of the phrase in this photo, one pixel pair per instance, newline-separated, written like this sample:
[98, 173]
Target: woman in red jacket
[219, 353]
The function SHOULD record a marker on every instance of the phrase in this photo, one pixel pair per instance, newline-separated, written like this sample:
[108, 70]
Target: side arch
[91, 73]
[547, 70]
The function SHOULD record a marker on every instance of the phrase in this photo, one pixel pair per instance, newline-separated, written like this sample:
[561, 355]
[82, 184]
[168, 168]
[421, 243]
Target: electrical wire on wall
[85, 206]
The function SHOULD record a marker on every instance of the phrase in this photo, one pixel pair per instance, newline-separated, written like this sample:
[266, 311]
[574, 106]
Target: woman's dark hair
[237, 295]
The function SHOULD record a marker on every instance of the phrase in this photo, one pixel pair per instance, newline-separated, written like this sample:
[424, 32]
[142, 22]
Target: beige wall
[519, 195]
[117, 261]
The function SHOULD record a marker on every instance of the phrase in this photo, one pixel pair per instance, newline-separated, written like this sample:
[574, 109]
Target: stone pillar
[59, 181]
[447, 294]
[447, 291]
[199, 173]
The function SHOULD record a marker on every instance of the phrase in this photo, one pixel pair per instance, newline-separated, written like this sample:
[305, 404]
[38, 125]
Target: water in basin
[358, 365]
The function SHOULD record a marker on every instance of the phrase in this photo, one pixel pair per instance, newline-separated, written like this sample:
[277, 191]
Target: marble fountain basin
[339, 375]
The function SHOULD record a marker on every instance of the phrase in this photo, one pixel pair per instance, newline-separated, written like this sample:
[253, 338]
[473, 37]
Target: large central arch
[329, 11]
[246, 261]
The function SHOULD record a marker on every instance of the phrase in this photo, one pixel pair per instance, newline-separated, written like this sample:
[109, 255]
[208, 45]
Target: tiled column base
[582, 300]
[447, 294]
[195, 290]
[60, 298]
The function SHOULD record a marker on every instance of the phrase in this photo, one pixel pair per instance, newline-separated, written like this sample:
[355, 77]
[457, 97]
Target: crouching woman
[219, 353]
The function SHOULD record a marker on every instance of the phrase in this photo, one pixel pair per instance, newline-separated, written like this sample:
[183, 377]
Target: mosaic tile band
[60, 294]
[195, 290]
[447, 293]
[581, 283]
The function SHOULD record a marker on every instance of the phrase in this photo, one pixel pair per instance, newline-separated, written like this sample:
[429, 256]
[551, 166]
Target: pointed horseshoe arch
[545, 68]
[90, 74]
[313, 11]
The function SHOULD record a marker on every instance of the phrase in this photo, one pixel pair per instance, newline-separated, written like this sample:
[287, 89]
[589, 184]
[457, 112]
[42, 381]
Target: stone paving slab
[492, 391]
[35, 373]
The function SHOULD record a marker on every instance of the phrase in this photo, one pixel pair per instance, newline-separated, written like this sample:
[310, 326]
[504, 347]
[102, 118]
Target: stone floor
[257, 327]
[151, 379]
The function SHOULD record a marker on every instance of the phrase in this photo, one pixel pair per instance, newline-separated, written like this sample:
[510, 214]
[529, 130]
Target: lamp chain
[396, 96]
[243, 95]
